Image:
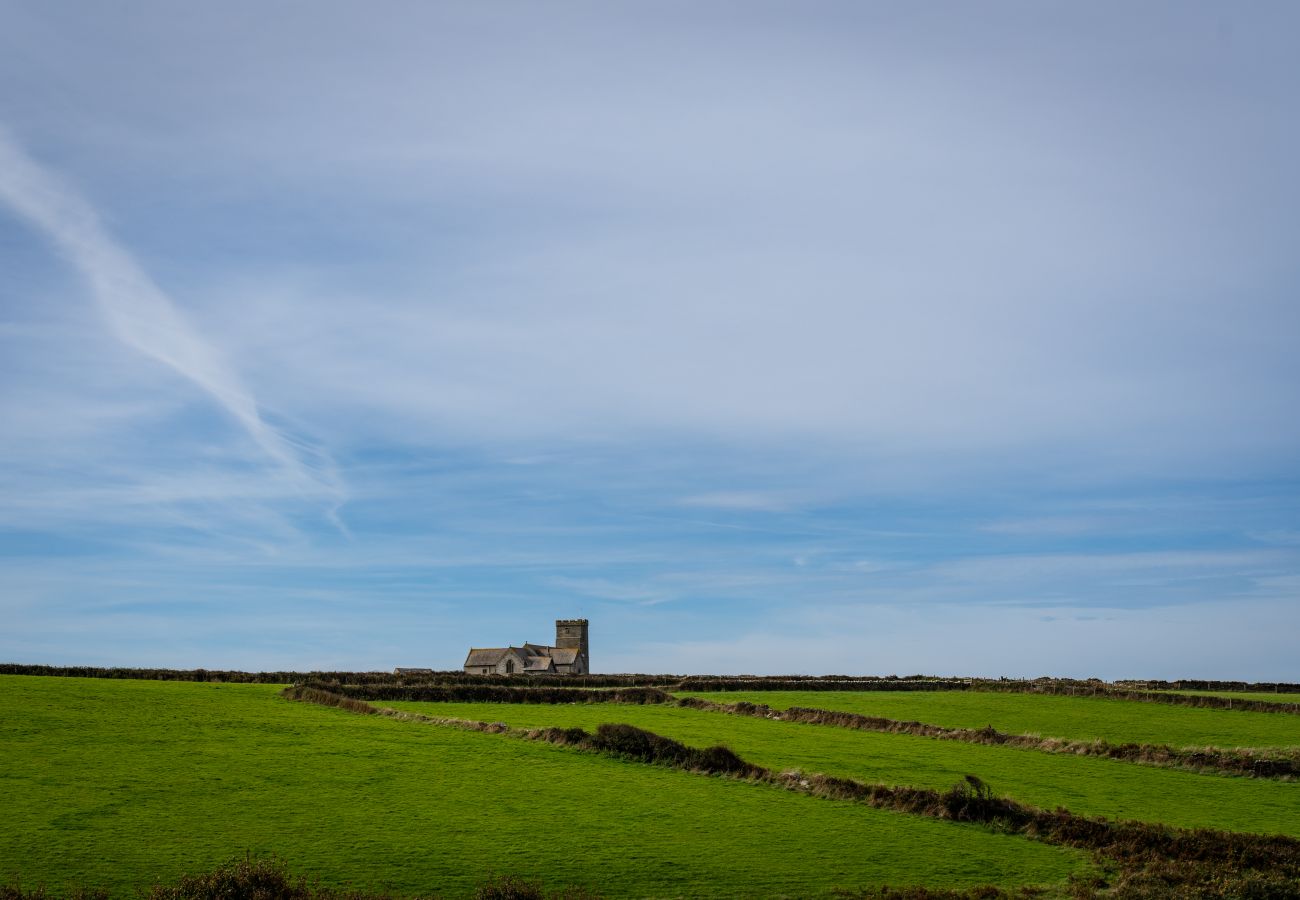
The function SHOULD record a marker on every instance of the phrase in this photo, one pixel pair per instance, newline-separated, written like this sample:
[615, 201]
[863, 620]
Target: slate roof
[486, 656]
[536, 657]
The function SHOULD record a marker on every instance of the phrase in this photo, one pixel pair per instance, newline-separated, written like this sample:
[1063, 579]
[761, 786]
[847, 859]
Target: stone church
[567, 657]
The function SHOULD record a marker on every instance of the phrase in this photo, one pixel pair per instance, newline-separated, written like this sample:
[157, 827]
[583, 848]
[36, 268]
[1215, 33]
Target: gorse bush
[246, 879]
[972, 800]
[627, 740]
[630, 742]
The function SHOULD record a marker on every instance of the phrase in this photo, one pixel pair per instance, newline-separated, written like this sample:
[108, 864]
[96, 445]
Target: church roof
[536, 657]
[486, 656]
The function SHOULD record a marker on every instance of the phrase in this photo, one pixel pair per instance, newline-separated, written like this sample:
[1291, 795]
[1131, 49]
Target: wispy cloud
[609, 589]
[142, 316]
[1046, 525]
[748, 501]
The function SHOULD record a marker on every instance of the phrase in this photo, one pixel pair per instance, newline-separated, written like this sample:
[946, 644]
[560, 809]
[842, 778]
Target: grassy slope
[116, 783]
[1077, 718]
[1082, 784]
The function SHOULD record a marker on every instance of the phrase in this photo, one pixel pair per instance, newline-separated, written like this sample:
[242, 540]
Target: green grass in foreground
[119, 783]
[1074, 718]
[1087, 785]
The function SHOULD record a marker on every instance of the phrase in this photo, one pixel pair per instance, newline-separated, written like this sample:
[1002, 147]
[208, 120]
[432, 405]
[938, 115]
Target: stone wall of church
[573, 633]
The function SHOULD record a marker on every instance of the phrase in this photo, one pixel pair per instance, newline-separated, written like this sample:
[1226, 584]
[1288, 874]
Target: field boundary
[495, 693]
[1201, 684]
[235, 676]
[1056, 687]
[1255, 763]
[1249, 762]
[1147, 855]
[1107, 692]
[1124, 690]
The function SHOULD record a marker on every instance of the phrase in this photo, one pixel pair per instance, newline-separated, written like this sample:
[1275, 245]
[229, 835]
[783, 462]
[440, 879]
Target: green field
[120, 783]
[1088, 785]
[1075, 718]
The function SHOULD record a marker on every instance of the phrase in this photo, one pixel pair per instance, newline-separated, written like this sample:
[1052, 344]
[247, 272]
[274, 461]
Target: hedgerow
[252, 878]
[1110, 692]
[1198, 684]
[492, 693]
[228, 676]
[1243, 761]
[717, 683]
[377, 681]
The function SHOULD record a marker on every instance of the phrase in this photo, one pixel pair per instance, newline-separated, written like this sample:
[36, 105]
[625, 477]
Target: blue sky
[836, 338]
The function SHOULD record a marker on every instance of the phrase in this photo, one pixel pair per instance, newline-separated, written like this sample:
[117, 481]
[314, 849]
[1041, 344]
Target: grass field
[119, 783]
[1086, 785]
[1076, 718]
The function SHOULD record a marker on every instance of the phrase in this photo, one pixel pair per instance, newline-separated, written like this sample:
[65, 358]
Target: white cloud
[644, 594]
[1048, 525]
[748, 501]
[917, 259]
[142, 316]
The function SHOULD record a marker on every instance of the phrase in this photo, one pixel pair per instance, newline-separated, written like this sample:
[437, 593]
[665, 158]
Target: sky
[774, 338]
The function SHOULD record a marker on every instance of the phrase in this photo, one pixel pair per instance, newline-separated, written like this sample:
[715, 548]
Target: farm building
[569, 656]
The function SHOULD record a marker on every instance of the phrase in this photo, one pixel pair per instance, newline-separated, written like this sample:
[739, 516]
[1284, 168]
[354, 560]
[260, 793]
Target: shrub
[271, 879]
[246, 879]
[509, 887]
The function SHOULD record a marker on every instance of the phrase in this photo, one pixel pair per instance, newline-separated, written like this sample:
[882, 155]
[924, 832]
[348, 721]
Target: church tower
[572, 633]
